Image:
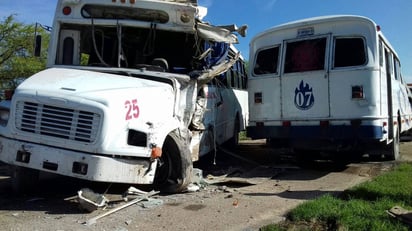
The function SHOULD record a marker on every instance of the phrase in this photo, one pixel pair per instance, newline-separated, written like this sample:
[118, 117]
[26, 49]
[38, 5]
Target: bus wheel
[24, 179]
[394, 153]
[174, 169]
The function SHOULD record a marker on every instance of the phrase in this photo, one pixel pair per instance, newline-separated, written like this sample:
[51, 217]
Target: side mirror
[37, 47]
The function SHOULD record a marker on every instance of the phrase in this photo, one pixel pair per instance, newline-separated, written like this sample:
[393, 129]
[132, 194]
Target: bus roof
[315, 20]
[322, 19]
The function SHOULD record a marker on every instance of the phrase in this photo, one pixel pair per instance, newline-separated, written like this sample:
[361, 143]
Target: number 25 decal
[132, 109]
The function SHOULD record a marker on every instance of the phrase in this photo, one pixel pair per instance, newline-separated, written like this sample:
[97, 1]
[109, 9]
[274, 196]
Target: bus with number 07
[328, 84]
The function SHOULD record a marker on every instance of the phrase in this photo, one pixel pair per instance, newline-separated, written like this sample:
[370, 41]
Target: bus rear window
[349, 52]
[306, 55]
[267, 61]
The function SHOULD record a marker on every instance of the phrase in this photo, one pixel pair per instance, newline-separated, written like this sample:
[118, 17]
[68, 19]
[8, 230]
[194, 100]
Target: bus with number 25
[133, 93]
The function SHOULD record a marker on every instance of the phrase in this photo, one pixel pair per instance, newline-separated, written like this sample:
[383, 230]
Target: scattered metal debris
[90, 200]
[142, 196]
[198, 182]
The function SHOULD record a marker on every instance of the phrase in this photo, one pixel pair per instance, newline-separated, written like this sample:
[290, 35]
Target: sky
[394, 17]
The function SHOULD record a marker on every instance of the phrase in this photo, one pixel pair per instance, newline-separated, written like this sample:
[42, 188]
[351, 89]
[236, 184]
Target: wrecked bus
[134, 91]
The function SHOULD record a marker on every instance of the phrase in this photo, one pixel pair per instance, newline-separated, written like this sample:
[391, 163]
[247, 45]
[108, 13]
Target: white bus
[135, 90]
[329, 83]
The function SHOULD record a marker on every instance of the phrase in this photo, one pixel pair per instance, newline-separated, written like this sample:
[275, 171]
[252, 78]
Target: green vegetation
[242, 135]
[360, 208]
[17, 48]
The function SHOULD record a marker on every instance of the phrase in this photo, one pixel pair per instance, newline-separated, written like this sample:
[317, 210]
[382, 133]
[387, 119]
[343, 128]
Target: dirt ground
[242, 189]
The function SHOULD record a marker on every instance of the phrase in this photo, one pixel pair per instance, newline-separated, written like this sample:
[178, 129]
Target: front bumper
[80, 165]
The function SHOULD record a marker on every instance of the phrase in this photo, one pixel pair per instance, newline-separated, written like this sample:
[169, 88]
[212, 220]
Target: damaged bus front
[129, 96]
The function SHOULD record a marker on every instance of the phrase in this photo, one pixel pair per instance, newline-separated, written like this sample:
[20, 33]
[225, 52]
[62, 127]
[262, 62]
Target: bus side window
[235, 75]
[380, 54]
[267, 61]
[232, 78]
[243, 76]
[388, 62]
[349, 52]
[397, 67]
[224, 78]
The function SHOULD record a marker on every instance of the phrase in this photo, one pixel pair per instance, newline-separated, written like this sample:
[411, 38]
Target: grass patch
[242, 136]
[362, 207]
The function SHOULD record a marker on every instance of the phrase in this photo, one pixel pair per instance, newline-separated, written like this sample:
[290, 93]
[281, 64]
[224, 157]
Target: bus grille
[64, 123]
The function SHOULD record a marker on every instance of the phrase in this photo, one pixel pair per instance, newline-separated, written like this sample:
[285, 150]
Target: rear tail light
[324, 123]
[357, 92]
[67, 10]
[286, 123]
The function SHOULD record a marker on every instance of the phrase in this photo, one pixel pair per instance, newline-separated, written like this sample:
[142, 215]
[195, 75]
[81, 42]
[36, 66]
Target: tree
[17, 48]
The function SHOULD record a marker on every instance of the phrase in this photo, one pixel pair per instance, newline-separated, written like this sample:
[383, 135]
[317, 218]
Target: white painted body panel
[330, 88]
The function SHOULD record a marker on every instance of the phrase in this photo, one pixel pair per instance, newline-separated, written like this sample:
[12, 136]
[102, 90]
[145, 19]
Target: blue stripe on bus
[338, 132]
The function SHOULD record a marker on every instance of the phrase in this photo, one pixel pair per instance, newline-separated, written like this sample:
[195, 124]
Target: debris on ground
[402, 214]
[240, 177]
[198, 182]
[148, 203]
[90, 201]
[141, 197]
[151, 203]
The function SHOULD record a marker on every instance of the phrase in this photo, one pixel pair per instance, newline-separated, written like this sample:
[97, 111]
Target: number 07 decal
[304, 98]
[132, 109]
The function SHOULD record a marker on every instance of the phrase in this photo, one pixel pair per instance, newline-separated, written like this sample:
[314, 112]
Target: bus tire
[174, 169]
[394, 147]
[24, 179]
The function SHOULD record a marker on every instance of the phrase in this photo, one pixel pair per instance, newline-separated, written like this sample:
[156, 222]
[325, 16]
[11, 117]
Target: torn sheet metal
[215, 34]
[90, 200]
[207, 75]
[143, 197]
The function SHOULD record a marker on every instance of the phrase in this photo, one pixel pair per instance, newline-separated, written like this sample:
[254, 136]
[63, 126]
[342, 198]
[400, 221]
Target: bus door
[305, 79]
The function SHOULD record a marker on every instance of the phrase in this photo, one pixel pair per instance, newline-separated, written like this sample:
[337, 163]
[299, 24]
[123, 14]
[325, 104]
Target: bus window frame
[277, 66]
[318, 37]
[365, 52]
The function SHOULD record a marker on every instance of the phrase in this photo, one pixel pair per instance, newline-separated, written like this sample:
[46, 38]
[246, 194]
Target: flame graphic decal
[304, 98]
